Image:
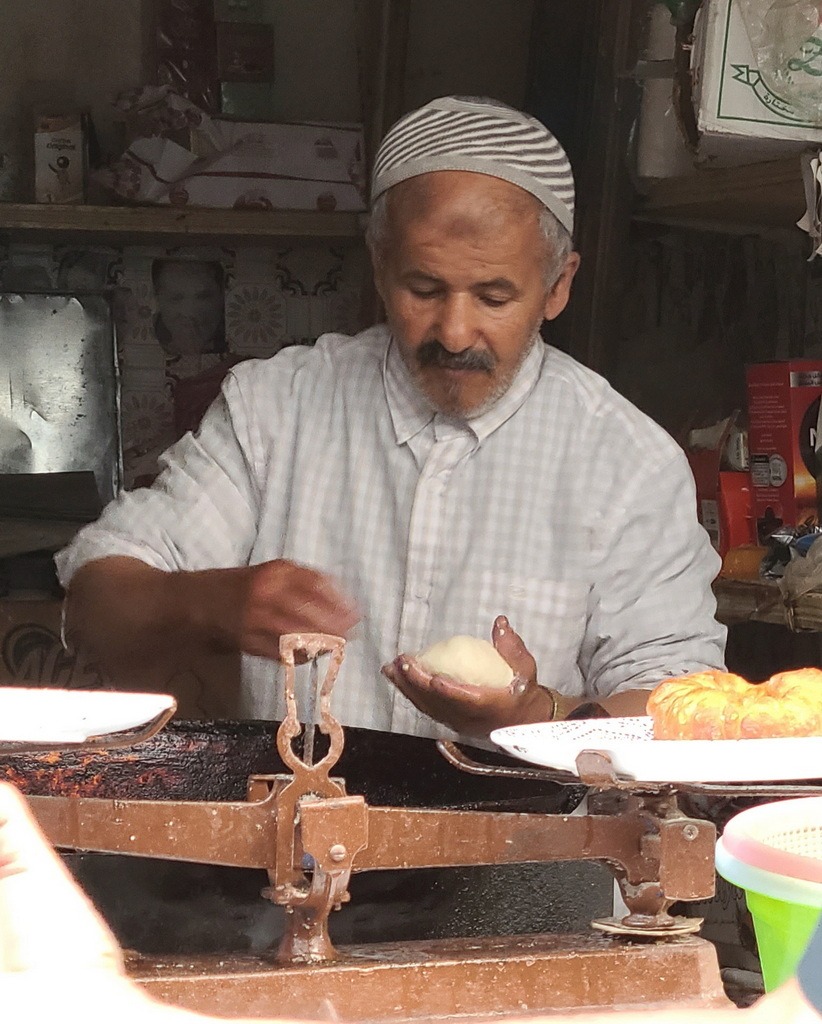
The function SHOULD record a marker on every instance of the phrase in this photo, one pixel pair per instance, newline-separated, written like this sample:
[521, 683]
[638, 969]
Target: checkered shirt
[562, 506]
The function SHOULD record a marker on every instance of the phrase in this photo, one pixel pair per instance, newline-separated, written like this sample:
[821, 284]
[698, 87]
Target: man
[189, 295]
[412, 482]
[58, 960]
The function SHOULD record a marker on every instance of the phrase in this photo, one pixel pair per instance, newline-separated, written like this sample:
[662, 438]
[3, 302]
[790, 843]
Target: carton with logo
[60, 158]
[739, 117]
[783, 410]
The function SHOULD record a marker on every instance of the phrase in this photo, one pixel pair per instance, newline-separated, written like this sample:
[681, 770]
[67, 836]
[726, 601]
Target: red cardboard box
[724, 503]
[783, 409]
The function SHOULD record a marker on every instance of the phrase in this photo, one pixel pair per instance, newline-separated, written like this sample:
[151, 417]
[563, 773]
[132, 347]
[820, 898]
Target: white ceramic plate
[38, 719]
[635, 754]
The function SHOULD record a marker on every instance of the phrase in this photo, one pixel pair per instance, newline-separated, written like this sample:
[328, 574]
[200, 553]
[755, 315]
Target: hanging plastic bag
[786, 36]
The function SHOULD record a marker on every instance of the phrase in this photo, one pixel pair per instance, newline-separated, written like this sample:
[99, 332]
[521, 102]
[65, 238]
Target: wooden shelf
[759, 601]
[767, 195]
[114, 225]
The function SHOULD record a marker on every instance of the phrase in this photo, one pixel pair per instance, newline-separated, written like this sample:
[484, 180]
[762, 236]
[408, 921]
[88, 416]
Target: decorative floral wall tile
[255, 319]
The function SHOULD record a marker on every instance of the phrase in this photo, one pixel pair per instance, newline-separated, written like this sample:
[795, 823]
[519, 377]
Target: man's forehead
[462, 202]
[418, 275]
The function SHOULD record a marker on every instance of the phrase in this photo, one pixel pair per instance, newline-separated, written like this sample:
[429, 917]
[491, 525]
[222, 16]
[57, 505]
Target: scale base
[433, 980]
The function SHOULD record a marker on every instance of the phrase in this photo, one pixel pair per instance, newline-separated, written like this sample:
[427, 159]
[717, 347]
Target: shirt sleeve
[651, 608]
[201, 511]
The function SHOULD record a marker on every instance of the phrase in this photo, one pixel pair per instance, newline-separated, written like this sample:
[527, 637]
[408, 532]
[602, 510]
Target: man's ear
[560, 293]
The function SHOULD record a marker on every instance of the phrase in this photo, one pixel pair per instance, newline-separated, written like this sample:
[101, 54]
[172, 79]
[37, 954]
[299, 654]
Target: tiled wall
[272, 298]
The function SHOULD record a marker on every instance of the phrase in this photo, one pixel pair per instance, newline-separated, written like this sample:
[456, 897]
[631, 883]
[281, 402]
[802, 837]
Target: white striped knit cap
[456, 134]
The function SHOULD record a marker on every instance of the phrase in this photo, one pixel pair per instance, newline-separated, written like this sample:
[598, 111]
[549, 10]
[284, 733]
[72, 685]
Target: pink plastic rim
[742, 844]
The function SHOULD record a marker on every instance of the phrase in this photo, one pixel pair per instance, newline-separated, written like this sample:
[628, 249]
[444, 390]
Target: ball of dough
[470, 659]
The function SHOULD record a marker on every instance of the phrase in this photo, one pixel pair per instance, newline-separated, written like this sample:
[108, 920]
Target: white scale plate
[45, 718]
[635, 754]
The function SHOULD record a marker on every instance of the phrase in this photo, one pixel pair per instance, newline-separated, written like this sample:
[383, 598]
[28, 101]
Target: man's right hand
[261, 603]
[127, 615]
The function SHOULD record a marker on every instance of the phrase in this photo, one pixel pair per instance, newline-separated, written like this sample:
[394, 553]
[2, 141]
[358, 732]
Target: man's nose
[456, 327]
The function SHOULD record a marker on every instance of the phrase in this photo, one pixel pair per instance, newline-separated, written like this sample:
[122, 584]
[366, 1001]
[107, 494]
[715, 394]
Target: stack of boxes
[783, 414]
[245, 59]
[208, 136]
[751, 483]
[219, 54]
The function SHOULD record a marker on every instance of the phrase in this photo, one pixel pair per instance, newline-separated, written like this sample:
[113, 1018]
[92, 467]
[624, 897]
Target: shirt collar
[409, 408]
[411, 412]
[521, 387]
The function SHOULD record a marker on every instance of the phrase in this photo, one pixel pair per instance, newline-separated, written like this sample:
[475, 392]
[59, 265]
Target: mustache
[432, 353]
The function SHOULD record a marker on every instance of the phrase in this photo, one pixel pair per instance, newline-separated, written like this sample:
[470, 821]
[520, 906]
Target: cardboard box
[245, 51]
[723, 496]
[783, 409]
[60, 162]
[247, 166]
[248, 101]
[310, 151]
[739, 118]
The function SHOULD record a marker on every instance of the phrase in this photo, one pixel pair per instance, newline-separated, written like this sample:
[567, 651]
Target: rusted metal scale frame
[251, 834]
[310, 835]
[656, 861]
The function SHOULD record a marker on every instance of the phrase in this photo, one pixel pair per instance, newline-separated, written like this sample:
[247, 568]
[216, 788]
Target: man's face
[463, 280]
[190, 303]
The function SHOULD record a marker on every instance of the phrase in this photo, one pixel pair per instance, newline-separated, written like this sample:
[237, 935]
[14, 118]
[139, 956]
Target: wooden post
[605, 100]
[383, 43]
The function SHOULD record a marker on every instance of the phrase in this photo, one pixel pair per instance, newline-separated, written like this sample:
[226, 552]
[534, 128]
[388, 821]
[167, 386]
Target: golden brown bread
[723, 706]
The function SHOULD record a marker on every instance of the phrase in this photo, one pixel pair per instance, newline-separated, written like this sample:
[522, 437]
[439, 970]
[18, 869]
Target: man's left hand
[477, 710]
